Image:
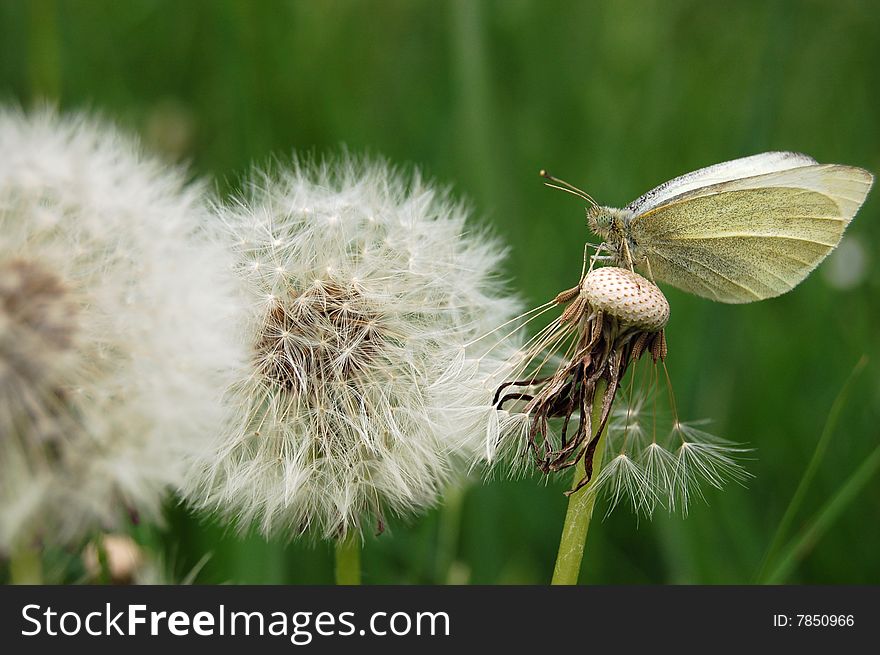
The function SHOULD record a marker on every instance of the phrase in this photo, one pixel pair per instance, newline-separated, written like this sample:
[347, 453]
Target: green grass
[776, 543]
[615, 97]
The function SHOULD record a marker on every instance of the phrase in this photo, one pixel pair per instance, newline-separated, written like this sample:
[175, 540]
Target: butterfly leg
[648, 270]
[584, 267]
[630, 263]
[596, 256]
[628, 258]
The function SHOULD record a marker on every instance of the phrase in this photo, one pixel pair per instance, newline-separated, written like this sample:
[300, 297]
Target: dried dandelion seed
[368, 387]
[113, 332]
[612, 319]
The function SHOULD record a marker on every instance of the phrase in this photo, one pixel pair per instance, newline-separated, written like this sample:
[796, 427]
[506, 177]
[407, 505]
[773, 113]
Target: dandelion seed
[367, 392]
[623, 478]
[113, 335]
[702, 458]
[674, 460]
[659, 467]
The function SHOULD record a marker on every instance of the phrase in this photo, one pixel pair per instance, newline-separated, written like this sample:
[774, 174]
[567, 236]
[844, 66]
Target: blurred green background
[614, 96]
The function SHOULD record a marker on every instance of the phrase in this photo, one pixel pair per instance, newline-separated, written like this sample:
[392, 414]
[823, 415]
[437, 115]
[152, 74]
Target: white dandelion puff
[112, 328]
[368, 388]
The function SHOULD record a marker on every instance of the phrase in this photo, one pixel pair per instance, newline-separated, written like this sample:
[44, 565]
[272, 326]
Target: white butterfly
[736, 232]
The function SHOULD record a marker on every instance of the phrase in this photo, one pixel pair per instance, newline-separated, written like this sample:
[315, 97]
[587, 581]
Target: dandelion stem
[43, 50]
[26, 566]
[348, 560]
[580, 510]
[105, 576]
[448, 534]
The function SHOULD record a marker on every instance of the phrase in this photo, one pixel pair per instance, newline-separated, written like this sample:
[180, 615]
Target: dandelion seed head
[37, 320]
[367, 391]
[611, 319]
[110, 296]
[627, 296]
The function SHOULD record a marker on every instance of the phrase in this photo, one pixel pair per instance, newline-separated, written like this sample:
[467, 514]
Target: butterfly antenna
[562, 185]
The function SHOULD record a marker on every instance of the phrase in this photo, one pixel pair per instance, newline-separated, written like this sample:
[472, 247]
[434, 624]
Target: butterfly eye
[599, 219]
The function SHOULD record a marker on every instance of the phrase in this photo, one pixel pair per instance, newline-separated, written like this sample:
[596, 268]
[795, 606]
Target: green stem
[816, 529]
[105, 576]
[348, 561]
[580, 510]
[797, 499]
[44, 58]
[448, 533]
[26, 567]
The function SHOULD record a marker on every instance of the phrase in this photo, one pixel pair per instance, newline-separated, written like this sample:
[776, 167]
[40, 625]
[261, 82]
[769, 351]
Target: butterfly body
[614, 227]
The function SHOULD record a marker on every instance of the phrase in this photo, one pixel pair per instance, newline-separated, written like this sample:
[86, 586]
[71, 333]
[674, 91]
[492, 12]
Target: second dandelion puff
[363, 396]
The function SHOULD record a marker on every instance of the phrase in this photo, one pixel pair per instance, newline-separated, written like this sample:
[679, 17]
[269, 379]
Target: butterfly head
[607, 222]
[611, 224]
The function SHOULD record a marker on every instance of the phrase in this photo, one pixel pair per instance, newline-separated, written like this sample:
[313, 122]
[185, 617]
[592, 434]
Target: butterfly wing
[767, 162]
[751, 238]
